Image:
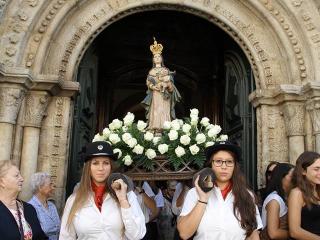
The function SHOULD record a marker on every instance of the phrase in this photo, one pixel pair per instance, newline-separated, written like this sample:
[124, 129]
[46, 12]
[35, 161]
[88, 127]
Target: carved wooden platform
[162, 171]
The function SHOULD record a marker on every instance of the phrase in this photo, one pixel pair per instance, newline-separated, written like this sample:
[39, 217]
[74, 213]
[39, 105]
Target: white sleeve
[148, 190]
[176, 210]
[259, 221]
[133, 219]
[189, 202]
[67, 232]
[159, 199]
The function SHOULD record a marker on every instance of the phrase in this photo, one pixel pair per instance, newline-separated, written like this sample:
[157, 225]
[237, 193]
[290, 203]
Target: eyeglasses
[219, 163]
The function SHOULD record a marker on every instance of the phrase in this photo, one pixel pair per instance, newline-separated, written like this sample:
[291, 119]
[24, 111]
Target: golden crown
[156, 48]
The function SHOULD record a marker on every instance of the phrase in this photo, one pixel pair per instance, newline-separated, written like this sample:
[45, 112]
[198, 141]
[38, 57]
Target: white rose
[132, 142]
[194, 112]
[126, 136]
[138, 149]
[194, 149]
[175, 125]
[98, 137]
[167, 125]
[106, 132]
[163, 148]
[186, 128]
[150, 153]
[208, 144]
[209, 126]
[185, 139]
[194, 121]
[214, 131]
[173, 135]
[223, 137]
[117, 150]
[115, 124]
[128, 119]
[155, 140]
[148, 136]
[127, 160]
[124, 128]
[200, 138]
[205, 121]
[141, 125]
[181, 122]
[114, 138]
[180, 151]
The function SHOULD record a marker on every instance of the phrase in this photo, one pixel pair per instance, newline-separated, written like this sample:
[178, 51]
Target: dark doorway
[212, 74]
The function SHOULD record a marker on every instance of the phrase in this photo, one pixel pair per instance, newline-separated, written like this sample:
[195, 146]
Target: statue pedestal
[162, 171]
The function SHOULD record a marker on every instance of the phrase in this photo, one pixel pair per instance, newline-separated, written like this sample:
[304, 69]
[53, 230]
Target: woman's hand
[202, 195]
[121, 193]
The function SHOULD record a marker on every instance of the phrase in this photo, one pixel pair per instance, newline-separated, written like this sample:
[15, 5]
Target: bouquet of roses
[181, 141]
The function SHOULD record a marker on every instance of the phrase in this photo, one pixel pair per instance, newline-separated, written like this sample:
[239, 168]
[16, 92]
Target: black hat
[223, 145]
[99, 148]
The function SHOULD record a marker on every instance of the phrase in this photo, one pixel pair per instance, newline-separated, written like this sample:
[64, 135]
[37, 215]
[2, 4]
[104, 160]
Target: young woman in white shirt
[91, 212]
[228, 211]
[274, 208]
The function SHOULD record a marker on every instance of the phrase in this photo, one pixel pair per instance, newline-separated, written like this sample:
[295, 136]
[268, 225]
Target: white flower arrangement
[181, 141]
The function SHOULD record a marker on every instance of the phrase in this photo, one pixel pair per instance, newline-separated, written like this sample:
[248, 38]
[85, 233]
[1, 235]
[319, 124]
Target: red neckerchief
[98, 194]
[226, 190]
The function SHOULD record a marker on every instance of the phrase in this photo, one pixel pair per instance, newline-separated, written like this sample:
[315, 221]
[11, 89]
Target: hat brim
[114, 156]
[215, 148]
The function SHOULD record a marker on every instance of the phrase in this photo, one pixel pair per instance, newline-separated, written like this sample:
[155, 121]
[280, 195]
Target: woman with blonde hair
[92, 212]
[18, 219]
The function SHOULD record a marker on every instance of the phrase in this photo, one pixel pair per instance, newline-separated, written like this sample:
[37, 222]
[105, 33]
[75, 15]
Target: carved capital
[36, 105]
[294, 113]
[313, 107]
[10, 102]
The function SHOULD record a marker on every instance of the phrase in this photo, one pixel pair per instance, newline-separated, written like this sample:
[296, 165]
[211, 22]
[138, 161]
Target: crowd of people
[287, 208]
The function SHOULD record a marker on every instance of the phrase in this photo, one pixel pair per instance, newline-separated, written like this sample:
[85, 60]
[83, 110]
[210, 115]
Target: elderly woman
[42, 188]
[18, 219]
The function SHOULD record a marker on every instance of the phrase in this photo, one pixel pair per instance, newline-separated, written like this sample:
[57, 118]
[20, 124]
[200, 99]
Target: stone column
[11, 97]
[293, 113]
[313, 106]
[36, 104]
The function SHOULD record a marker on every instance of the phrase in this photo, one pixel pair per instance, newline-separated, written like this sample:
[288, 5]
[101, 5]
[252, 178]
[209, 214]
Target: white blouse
[283, 207]
[112, 223]
[218, 221]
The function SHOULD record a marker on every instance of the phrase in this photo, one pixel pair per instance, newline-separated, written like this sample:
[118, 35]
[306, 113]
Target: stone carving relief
[244, 28]
[36, 105]
[313, 106]
[44, 23]
[2, 6]
[10, 102]
[285, 24]
[276, 133]
[294, 118]
[313, 32]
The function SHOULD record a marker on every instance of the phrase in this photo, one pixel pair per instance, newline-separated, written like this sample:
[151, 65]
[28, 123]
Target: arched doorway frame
[269, 32]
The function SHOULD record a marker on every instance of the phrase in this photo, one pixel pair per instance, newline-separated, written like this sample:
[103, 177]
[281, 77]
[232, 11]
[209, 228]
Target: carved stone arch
[65, 48]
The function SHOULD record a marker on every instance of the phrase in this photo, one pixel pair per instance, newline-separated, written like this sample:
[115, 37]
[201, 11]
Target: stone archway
[43, 44]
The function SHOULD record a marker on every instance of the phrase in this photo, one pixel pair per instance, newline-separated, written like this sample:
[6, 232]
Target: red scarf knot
[99, 191]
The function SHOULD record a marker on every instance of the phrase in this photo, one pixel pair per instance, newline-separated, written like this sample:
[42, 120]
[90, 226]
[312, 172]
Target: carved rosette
[10, 102]
[36, 105]
[313, 106]
[294, 113]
